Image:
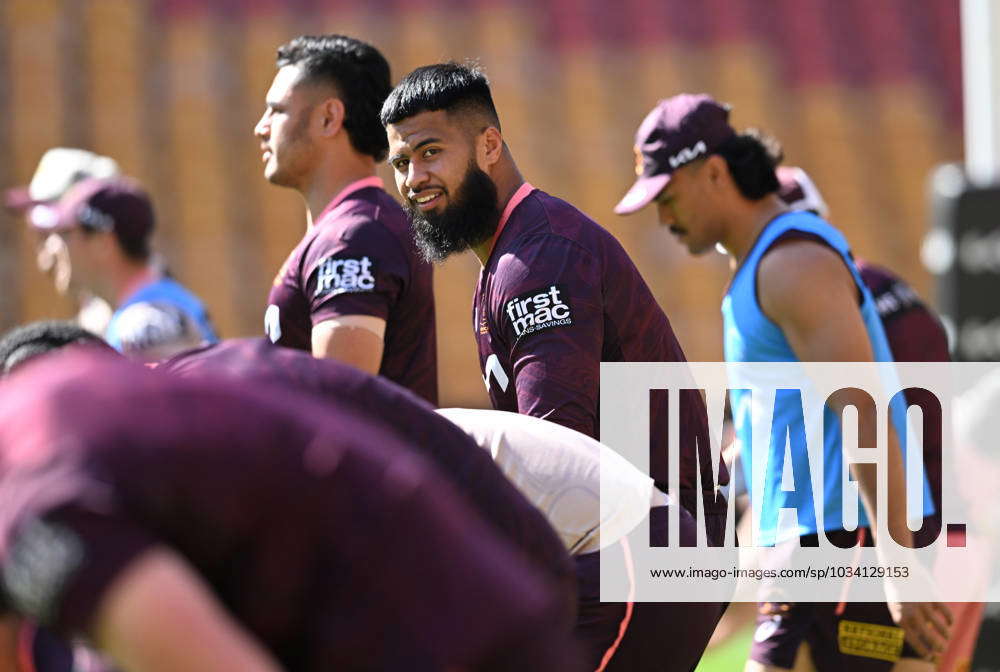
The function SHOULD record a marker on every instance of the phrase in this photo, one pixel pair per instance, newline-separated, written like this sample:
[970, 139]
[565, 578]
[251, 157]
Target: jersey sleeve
[359, 269]
[548, 312]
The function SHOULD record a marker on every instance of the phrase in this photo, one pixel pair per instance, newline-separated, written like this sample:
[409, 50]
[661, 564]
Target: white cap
[59, 169]
[62, 167]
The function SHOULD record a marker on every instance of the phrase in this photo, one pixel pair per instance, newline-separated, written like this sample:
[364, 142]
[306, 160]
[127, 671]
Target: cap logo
[687, 155]
[638, 160]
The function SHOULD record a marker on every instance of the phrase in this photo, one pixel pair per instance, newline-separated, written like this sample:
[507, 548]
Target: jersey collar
[515, 200]
[357, 185]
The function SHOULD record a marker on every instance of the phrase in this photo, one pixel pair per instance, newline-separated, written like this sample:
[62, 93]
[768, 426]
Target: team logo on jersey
[494, 370]
[539, 309]
[272, 323]
[345, 275]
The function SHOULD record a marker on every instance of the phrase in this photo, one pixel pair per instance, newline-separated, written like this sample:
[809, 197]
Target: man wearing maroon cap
[106, 226]
[716, 187]
[354, 289]
[557, 295]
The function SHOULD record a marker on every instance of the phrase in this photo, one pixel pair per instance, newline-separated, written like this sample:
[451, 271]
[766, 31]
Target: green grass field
[730, 655]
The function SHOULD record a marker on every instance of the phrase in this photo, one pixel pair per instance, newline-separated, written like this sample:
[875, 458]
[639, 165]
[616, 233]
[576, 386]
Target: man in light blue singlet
[714, 187]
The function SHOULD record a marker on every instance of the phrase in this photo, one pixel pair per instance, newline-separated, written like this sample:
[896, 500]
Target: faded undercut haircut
[24, 343]
[358, 72]
[451, 86]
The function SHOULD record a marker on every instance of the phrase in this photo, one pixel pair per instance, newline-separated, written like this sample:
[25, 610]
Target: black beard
[471, 219]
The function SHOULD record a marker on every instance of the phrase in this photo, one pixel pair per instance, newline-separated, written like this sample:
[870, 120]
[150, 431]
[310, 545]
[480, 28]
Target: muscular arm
[353, 339]
[834, 334]
[158, 616]
[837, 334]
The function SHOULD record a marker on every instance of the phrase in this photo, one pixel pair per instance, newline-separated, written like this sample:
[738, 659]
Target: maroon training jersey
[359, 258]
[412, 420]
[557, 297]
[327, 538]
[915, 334]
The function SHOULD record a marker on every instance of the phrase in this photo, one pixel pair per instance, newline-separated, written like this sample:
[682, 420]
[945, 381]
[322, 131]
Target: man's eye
[431, 151]
[400, 164]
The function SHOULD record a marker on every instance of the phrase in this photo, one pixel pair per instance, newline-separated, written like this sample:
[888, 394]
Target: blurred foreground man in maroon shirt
[185, 525]
[254, 362]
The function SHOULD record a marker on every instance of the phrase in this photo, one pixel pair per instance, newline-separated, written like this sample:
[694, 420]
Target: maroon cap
[677, 131]
[115, 204]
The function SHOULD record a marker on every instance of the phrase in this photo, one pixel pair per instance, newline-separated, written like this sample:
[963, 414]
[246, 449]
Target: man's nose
[415, 176]
[262, 128]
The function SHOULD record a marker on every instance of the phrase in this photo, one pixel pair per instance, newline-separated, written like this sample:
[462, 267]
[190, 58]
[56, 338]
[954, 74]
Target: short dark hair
[135, 245]
[752, 157]
[137, 249]
[28, 341]
[444, 86]
[361, 76]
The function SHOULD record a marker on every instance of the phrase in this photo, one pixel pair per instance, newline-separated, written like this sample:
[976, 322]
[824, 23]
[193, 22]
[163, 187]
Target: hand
[926, 625]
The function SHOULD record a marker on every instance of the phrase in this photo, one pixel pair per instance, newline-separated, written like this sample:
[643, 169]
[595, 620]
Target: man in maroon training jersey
[354, 288]
[192, 525]
[557, 294]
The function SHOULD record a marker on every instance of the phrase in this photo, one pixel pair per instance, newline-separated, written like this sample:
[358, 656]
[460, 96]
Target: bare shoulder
[801, 273]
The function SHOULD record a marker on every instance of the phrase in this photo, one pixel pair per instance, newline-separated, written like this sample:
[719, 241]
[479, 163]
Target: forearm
[160, 617]
[867, 478]
[866, 474]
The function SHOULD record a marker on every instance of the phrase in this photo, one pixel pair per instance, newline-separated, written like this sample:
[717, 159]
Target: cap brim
[642, 193]
[19, 199]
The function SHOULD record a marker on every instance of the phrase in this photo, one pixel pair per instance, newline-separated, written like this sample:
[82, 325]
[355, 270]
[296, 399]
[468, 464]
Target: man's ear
[489, 148]
[331, 116]
[105, 244]
[716, 170]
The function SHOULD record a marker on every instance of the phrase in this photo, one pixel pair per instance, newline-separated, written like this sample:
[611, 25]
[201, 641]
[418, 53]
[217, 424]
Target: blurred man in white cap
[124, 293]
[59, 169]
[105, 227]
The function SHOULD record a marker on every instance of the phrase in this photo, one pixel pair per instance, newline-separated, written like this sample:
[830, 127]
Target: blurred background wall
[864, 94]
